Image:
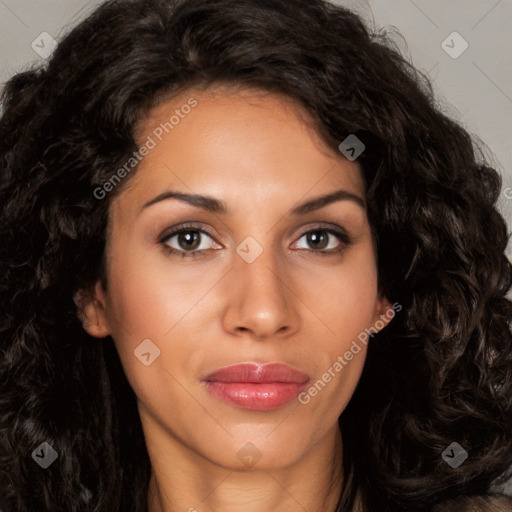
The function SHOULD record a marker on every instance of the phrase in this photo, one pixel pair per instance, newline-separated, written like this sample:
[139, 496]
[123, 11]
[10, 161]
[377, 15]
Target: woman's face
[242, 283]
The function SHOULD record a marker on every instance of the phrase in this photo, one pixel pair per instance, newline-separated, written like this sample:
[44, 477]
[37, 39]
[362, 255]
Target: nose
[261, 300]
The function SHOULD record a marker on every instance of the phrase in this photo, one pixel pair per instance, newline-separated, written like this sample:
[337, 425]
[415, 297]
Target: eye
[187, 241]
[190, 241]
[325, 240]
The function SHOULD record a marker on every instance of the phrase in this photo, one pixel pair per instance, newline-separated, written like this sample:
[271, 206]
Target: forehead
[249, 138]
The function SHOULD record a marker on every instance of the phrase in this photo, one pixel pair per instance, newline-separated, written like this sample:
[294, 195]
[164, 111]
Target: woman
[247, 265]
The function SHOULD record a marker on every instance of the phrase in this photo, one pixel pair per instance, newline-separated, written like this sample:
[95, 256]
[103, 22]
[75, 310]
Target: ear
[384, 313]
[91, 309]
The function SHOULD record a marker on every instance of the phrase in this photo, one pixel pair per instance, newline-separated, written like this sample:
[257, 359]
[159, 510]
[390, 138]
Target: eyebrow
[217, 206]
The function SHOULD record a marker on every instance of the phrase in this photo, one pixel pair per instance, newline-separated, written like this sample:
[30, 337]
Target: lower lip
[256, 396]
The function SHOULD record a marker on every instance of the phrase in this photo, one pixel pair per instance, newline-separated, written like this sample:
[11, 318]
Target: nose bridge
[261, 300]
[261, 269]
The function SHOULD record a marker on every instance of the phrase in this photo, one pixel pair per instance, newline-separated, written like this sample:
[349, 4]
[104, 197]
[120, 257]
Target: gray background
[474, 87]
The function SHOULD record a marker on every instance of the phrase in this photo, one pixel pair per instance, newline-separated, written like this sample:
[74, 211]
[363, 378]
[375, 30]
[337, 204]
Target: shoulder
[485, 503]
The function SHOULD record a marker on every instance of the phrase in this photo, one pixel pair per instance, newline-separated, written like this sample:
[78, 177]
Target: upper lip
[257, 373]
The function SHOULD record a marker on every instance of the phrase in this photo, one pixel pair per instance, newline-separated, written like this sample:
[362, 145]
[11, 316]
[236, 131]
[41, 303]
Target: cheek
[344, 297]
[152, 301]
[346, 307]
[148, 294]
[344, 300]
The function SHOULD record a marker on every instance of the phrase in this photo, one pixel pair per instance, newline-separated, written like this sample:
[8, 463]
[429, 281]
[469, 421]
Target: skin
[257, 153]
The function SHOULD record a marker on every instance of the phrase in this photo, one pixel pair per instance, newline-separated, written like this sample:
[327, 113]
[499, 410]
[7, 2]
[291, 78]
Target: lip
[256, 387]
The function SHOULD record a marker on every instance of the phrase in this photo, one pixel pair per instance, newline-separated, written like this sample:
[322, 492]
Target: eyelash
[339, 233]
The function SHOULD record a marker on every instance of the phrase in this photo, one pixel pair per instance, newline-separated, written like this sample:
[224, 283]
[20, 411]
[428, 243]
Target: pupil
[314, 239]
[189, 239]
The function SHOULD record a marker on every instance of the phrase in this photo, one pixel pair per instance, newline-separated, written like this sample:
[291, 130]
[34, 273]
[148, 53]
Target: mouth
[256, 387]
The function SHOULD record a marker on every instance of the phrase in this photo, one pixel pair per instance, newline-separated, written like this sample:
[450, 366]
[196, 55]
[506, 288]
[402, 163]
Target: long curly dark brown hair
[441, 372]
